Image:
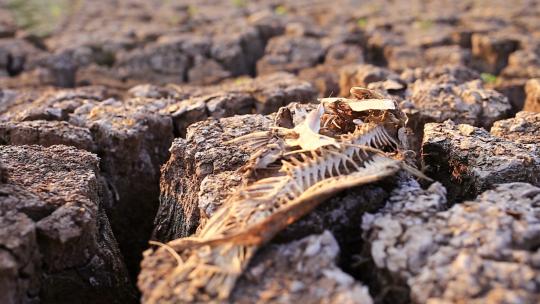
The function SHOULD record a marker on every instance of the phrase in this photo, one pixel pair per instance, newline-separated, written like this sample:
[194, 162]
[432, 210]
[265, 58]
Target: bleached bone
[217, 256]
[307, 132]
[372, 104]
[253, 140]
[313, 167]
[364, 104]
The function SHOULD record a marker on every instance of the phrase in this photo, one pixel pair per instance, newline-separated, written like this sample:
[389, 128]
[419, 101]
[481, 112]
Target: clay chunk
[524, 128]
[45, 133]
[480, 251]
[303, 270]
[468, 103]
[469, 160]
[532, 91]
[55, 195]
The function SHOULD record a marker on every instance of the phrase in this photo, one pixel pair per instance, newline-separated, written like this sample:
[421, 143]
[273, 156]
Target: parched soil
[114, 118]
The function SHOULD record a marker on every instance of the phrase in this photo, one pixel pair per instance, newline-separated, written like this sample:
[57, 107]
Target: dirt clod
[62, 246]
[477, 251]
[532, 91]
[468, 160]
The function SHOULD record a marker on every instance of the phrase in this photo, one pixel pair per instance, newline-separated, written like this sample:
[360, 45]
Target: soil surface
[115, 117]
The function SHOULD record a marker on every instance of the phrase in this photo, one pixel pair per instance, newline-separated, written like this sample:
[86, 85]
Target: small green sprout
[362, 22]
[41, 17]
[488, 78]
[192, 10]
[423, 24]
[281, 10]
[239, 3]
[241, 80]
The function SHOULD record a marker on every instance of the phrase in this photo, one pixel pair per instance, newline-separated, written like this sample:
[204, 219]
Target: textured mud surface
[469, 160]
[114, 118]
[475, 252]
[57, 244]
[315, 276]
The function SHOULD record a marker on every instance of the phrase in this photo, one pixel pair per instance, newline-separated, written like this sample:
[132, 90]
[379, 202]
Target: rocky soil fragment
[522, 66]
[468, 103]
[436, 94]
[492, 50]
[303, 270]
[450, 54]
[194, 159]
[395, 240]
[362, 75]
[449, 73]
[273, 91]
[532, 91]
[264, 94]
[341, 54]
[405, 57]
[523, 129]
[20, 264]
[45, 133]
[290, 54]
[481, 251]
[7, 25]
[469, 160]
[59, 247]
[324, 78]
[380, 42]
[14, 55]
[48, 103]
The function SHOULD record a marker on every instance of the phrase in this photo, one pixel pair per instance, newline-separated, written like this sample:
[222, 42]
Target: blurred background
[126, 42]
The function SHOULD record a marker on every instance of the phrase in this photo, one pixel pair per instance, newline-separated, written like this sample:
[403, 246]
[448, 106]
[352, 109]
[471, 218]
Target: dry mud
[114, 118]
